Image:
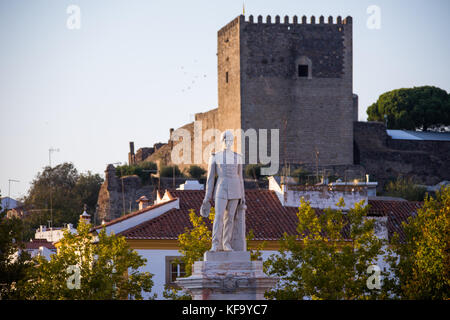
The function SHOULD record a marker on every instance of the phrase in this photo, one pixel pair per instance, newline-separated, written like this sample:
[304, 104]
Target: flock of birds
[191, 79]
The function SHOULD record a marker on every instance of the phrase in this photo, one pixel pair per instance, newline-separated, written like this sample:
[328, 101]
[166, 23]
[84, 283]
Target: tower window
[226, 77]
[303, 70]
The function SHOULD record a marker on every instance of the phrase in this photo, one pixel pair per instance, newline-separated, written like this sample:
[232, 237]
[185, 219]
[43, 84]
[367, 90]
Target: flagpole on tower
[243, 8]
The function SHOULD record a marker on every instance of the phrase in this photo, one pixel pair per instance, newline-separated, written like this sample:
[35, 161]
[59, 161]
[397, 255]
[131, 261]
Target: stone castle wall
[313, 114]
[259, 88]
[111, 200]
[385, 158]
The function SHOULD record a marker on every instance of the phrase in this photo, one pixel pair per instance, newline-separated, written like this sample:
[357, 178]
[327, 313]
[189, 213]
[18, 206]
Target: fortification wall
[229, 75]
[196, 131]
[385, 158]
[314, 114]
[111, 200]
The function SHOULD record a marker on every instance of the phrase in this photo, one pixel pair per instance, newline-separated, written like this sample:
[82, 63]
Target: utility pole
[95, 214]
[173, 176]
[51, 186]
[50, 155]
[317, 165]
[151, 181]
[9, 191]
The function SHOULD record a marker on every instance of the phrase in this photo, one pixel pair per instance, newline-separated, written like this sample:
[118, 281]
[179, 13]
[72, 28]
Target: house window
[303, 70]
[175, 268]
[226, 77]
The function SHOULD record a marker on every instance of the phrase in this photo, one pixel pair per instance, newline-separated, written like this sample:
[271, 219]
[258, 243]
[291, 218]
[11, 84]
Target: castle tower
[293, 76]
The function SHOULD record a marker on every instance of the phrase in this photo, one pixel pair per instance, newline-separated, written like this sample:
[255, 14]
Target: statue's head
[227, 139]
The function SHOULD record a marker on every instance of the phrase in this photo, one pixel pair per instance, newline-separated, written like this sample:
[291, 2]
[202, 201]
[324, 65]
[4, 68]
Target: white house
[53, 235]
[40, 247]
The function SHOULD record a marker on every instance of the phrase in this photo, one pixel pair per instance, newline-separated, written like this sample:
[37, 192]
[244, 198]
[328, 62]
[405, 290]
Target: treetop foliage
[142, 170]
[421, 263]
[412, 108]
[196, 172]
[108, 269]
[319, 262]
[405, 188]
[68, 190]
[13, 266]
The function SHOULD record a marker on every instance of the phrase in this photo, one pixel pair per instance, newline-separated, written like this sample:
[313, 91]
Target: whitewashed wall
[156, 264]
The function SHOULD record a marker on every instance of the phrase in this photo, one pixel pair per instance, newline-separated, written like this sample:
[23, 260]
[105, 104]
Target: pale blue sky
[124, 76]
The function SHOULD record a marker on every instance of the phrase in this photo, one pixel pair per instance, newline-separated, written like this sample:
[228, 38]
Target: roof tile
[265, 215]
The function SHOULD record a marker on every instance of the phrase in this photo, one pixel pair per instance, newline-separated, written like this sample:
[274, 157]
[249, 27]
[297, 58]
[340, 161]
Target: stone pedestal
[227, 276]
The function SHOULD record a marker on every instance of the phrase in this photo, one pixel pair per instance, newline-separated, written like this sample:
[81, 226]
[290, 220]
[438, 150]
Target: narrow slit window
[303, 70]
[226, 77]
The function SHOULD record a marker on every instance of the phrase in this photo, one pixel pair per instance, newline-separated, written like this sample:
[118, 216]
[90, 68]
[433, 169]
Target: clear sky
[136, 68]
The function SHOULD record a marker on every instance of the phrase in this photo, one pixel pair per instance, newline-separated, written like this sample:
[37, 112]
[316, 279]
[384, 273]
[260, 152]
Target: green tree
[196, 172]
[253, 171]
[196, 241]
[68, 191]
[87, 188]
[420, 262]
[405, 188]
[319, 263]
[13, 260]
[413, 108]
[142, 170]
[108, 269]
[168, 171]
[304, 176]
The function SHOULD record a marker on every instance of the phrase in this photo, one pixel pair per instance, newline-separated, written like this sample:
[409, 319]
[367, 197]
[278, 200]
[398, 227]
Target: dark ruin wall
[111, 200]
[163, 156]
[385, 158]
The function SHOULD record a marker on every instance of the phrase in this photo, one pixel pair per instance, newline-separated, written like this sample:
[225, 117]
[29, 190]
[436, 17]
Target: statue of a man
[229, 221]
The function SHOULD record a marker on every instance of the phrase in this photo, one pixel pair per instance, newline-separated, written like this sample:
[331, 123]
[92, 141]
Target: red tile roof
[265, 216]
[132, 214]
[396, 211]
[36, 243]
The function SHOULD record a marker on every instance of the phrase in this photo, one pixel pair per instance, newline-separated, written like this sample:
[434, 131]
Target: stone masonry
[259, 87]
[264, 90]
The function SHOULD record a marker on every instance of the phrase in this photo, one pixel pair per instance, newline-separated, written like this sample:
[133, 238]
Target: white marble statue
[229, 197]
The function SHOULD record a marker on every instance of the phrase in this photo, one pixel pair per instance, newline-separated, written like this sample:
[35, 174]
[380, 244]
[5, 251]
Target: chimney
[143, 202]
[171, 136]
[131, 155]
[85, 216]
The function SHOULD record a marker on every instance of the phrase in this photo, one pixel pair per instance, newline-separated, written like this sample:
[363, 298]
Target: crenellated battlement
[295, 20]
[286, 21]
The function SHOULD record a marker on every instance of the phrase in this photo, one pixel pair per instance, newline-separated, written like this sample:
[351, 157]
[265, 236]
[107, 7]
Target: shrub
[167, 171]
[253, 171]
[303, 176]
[141, 170]
[405, 188]
[196, 172]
